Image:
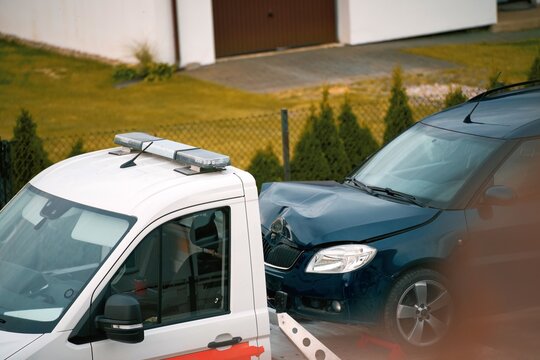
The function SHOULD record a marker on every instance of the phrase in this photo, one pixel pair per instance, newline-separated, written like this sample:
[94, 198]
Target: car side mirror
[499, 195]
[122, 319]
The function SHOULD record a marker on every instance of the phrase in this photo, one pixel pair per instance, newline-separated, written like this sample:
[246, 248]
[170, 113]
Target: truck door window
[180, 271]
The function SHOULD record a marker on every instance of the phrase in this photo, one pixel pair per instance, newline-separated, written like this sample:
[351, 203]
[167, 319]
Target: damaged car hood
[326, 212]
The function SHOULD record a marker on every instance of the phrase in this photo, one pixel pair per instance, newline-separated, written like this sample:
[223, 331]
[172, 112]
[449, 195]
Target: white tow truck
[149, 250]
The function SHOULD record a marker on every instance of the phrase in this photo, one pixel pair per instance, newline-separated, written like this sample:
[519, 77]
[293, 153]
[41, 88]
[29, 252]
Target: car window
[431, 164]
[180, 271]
[521, 171]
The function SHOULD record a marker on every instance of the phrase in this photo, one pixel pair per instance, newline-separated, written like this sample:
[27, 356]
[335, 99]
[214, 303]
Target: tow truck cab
[106, 256]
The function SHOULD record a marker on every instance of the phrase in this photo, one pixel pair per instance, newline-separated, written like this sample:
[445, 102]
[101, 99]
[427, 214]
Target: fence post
[5, 173]
[285, 143]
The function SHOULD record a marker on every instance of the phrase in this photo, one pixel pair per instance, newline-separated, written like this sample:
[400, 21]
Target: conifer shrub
[399, 115]
[77, 148]
[357, 140]
[28, 156]
[265, 167]
[326, 132]
[454, 97]
[309, 162]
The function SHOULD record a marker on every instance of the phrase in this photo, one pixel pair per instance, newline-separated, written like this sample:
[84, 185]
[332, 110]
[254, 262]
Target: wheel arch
[436, 264]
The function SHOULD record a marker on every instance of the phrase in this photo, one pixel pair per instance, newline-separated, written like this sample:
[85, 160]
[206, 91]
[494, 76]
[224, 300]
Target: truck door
[190, 275]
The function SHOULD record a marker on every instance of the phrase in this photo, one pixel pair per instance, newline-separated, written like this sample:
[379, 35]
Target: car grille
[281, 255]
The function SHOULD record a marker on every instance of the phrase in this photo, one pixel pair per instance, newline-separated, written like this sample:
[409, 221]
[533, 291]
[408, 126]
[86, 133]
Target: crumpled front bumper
[355, 297]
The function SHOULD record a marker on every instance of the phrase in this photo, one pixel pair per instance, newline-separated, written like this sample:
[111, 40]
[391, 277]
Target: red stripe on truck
[241, 351]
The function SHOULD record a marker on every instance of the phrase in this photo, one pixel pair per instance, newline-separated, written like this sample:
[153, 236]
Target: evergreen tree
[325, 130]
[454, 97]
[265, 167]
[309, 162]
[534, 72]
[399, 115]
[357, 140]
[28, 155]
[77, 148]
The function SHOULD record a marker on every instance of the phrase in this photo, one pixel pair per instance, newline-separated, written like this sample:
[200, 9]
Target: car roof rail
[500, 88]
[194, 159]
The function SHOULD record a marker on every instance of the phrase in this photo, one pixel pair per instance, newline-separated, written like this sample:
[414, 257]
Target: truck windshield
[49, 249]
[429, 163]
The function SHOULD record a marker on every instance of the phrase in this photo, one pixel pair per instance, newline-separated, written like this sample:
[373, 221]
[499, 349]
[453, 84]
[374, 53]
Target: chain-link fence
[240, 138]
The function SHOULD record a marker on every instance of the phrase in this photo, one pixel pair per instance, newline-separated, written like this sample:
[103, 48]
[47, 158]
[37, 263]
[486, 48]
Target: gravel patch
[439, 91]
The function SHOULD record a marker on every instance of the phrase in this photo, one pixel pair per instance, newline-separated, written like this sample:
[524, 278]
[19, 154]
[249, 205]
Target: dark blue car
[443, 220]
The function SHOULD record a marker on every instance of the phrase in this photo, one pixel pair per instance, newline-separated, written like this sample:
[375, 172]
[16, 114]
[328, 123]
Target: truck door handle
[216, 344]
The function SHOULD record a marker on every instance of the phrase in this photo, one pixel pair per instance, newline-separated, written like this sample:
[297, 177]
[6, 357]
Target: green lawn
[74, 96]
[67, 95]
[479, 61]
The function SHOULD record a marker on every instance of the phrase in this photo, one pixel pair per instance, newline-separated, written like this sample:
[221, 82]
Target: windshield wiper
[387, 191]
[397, 194]
[359, 184]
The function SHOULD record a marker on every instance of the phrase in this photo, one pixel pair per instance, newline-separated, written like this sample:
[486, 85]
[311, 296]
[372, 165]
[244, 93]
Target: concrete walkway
[291, 69]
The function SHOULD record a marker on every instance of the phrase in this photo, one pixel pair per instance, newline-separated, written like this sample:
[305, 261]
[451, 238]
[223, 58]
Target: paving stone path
[337, 64]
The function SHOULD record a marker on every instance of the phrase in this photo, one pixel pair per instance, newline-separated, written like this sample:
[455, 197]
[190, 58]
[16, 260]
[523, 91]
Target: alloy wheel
[424, 313]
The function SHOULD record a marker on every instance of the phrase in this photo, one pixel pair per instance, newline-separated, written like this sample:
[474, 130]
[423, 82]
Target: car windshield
[428, 163]
[49, 249]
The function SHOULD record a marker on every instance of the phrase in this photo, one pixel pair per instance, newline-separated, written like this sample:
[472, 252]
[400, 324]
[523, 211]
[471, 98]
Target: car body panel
[326, 212]
[434, 245]
[491, 117]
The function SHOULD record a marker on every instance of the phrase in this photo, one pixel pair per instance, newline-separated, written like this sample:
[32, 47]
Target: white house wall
[343, 21]
[107, 28]
[112, 28]
[372, 21]
[196, 28]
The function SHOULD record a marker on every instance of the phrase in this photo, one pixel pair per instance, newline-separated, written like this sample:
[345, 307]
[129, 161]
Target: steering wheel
[33, 292]
[37, 285]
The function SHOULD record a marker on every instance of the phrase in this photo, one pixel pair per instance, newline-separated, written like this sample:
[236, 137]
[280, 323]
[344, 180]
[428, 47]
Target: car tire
[419, 311]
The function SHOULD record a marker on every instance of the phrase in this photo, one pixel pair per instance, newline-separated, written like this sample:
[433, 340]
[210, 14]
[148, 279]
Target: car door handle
[216, 344]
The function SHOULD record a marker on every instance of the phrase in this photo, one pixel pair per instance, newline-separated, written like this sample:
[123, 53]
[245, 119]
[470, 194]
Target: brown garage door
[246, 26]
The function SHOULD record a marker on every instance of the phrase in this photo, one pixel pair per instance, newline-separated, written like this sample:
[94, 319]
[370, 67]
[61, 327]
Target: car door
[504, 228]
[188, 273]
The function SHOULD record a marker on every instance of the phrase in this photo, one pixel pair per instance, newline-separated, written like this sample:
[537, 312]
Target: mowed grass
[480, 61]
[68, 95]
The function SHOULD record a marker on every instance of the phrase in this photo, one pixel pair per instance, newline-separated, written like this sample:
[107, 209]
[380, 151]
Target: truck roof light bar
[134, 140]
[201, 160]
[168, 149]
[197, 160]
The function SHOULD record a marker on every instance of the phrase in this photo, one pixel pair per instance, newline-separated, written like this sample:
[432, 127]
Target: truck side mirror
[122, 319]
[499, 195]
